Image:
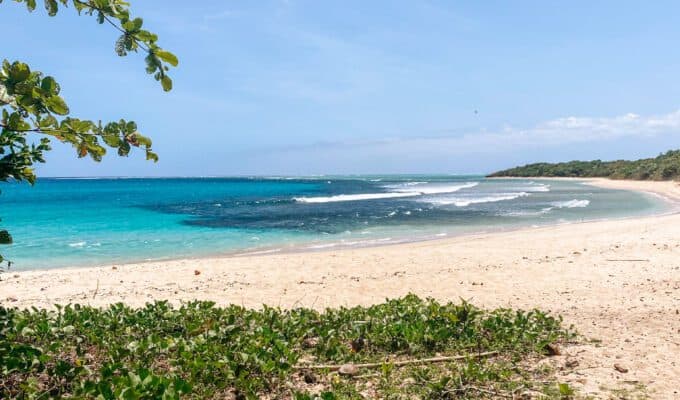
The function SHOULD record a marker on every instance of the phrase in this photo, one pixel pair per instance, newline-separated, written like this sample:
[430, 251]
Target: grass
[202, 351]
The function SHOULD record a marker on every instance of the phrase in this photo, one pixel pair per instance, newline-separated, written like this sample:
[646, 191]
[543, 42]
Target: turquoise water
[73, 222]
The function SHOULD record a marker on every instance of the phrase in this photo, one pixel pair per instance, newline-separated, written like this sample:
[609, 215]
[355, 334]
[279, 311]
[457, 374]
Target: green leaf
[120, 46]
[166, 82]
[6, 238]
[124, 149]
[565, 389]
[131, 127]
[151, 156]
[137, 23]
[146, 36]
[167, 56]
[19, 72]
[50, 85]
[133, 26]
[52, 7]
[57, 105]
[142, 140]
[48, 122]
[111, 140]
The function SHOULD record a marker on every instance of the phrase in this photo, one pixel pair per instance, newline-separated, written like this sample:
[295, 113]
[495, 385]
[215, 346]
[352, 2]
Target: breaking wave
[571, 204]
[418, 188]
[464, 202]
[353, 197]
[410, 189]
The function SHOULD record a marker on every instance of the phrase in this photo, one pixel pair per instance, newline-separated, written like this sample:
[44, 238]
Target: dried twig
[402, 362]
[96, 290]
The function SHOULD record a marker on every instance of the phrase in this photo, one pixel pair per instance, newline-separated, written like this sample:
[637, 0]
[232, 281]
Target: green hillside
[664, 167]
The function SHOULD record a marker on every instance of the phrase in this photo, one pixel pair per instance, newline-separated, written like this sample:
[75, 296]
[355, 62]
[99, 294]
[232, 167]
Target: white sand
[582, 271]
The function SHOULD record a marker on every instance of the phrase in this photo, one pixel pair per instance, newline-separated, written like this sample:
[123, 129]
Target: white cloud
[557, 132]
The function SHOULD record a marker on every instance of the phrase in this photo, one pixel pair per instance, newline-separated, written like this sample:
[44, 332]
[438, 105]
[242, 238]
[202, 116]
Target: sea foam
[466, 201]
[572, 204]
[411, 189]
[353, 197]
[538, 188]
[418, 188]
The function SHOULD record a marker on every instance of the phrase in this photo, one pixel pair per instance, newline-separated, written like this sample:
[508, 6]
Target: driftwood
[400, 363]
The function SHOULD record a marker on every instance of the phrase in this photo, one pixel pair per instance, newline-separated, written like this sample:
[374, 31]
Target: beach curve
[617, 281]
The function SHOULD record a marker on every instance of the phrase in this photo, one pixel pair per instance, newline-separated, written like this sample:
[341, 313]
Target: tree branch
[107, 19]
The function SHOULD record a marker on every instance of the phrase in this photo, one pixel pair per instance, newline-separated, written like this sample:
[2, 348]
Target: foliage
[33, 110]
[202, 351]
[664, 167]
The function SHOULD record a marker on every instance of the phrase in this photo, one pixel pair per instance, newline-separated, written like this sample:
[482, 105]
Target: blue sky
[335, 87]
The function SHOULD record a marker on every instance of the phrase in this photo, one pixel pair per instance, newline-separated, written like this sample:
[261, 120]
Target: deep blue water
[69, 222]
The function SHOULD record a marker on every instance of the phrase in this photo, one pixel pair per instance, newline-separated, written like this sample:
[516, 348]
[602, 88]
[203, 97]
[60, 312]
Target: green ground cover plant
[198, 350]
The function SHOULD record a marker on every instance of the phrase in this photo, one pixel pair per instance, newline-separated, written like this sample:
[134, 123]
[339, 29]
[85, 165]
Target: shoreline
[617, 281]
[667, 191]
[661, 189]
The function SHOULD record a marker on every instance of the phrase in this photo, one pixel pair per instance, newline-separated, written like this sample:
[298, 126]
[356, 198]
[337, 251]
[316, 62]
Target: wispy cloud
[557, 132]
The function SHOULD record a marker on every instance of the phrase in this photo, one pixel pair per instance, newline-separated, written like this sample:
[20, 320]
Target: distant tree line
[664, 167]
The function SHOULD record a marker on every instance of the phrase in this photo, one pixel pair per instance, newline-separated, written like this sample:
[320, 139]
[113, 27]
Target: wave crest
[410, 189]
[571, 204]
[464, 202]
[352, 197]
[416, 187]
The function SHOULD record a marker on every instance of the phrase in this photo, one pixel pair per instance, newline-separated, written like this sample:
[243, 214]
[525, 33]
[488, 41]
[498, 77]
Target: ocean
[62, 222]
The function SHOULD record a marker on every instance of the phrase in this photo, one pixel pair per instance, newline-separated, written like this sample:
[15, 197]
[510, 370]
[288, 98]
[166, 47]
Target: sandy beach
[617, 282]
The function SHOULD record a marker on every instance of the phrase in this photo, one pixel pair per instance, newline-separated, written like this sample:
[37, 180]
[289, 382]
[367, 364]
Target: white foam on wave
[525, 213]
[259, 252]
[571, 204]
[466, 201]
[538, 188]
[417, 187]
[322, 246]
[554, 205]
[77, 244]
[345, 243]
[409, 189]
[352, 197]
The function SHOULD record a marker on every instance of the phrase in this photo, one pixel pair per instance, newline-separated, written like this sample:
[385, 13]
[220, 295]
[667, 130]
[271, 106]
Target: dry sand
[617, 282]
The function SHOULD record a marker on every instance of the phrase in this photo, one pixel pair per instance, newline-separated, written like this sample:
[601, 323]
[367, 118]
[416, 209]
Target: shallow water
[71, 222]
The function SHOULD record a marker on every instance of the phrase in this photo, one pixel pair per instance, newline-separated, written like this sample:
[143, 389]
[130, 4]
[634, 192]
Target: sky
[288, 87]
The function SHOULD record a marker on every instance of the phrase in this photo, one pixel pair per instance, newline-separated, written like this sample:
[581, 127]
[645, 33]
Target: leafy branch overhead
[33, 111]
[34, 106]
[132, 38]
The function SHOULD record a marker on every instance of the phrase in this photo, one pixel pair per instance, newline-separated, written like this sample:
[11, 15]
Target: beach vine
[402, 348]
